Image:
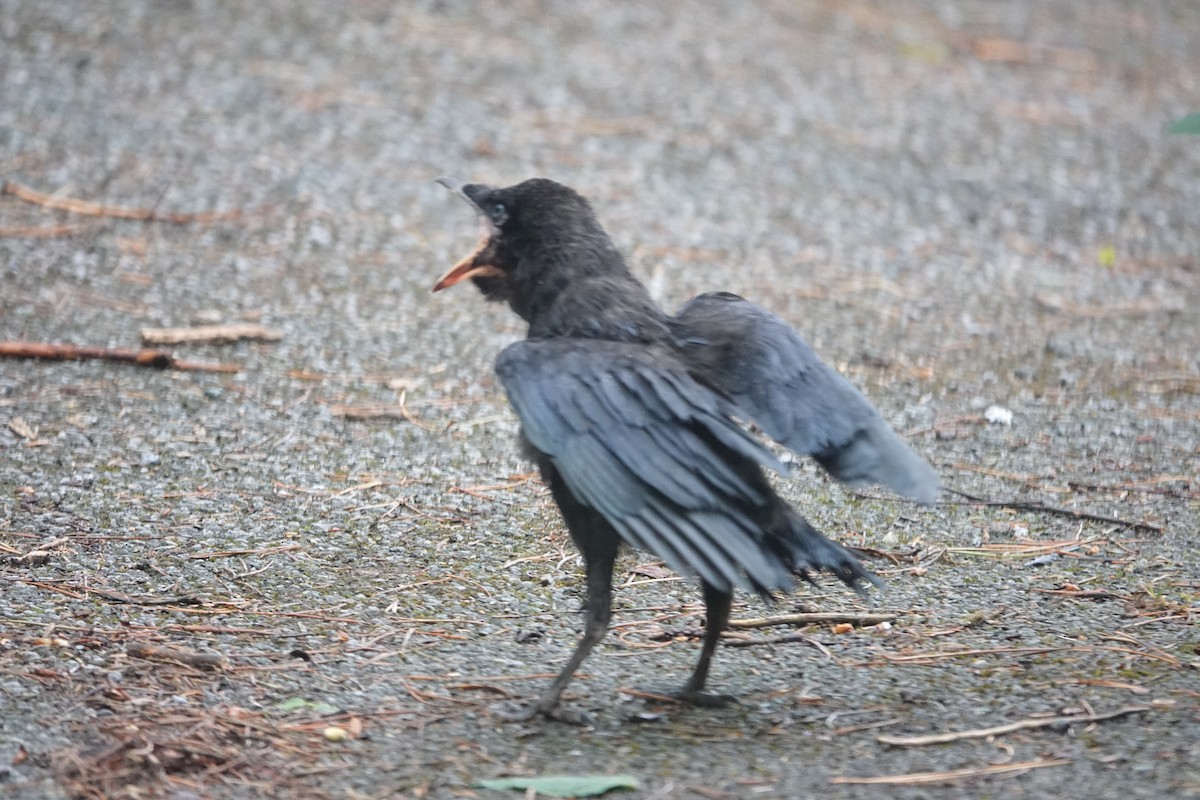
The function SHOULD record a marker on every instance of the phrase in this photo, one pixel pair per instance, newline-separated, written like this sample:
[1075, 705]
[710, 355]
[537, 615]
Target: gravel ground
[961, 204]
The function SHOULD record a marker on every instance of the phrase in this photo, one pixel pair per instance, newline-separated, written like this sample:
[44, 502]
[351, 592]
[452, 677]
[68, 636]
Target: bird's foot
[517, 711]
[692, 697]
[707, 699]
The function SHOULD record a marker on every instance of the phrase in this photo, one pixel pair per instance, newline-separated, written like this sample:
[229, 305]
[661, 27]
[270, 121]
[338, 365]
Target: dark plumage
[630, 416]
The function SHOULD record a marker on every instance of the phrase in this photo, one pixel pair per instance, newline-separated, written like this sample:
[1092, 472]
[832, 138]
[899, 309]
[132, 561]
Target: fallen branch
[89, 209]
[155, 359]
[811, 618]
[211, 334]
[1012, 727]
[1043, 508]
[921, 778]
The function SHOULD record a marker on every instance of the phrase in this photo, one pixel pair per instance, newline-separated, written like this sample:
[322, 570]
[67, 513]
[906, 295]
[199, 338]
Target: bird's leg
[716, 606]
[598, 544]
[599, 613]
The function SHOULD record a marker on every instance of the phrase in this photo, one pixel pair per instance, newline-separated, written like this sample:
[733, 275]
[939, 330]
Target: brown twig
[90, 209]
[866, 726]
[933, 658]
[262, 551]
[1012, 727]
[1083, 594]
[921, 778]
[42, 231]
[1148, 486]
[941, 425]
[378, 411]
[1021, 505]
[1129, 687]
[155, 359]
[789, 638]
[1023, 549]
[76, 590]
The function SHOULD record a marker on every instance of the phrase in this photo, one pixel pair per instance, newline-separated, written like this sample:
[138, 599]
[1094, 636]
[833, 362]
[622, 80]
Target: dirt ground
[315, 577]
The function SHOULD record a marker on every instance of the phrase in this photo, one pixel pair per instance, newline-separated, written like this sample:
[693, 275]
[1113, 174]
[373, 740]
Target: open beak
[477, 263]
[454, 185]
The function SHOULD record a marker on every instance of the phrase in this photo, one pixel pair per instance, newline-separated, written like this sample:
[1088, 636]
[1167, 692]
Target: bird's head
[528, 232]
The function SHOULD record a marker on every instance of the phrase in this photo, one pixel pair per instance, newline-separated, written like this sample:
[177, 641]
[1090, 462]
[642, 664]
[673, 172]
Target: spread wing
[654, 451]
[778, 382]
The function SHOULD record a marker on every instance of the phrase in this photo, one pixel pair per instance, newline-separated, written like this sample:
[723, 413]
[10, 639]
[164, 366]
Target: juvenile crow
[630, 415]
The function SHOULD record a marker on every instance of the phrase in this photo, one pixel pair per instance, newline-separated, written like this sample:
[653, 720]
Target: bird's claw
[516, 711]
[692, 697]
[708, 700]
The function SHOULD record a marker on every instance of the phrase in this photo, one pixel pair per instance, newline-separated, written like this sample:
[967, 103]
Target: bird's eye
[498, 213]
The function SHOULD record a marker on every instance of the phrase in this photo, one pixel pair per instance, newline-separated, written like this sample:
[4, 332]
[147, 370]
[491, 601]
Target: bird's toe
[514, 711]
[517, 711]
[692, 697]
[571, 716]
[705, 699]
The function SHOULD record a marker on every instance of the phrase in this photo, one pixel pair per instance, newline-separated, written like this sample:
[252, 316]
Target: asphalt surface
[960, 204]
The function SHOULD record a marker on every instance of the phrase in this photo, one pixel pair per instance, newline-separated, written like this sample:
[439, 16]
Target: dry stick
[785, 639]
[831, 618]
[921, 778]
[1147, 486]
[370, 411]
[90, 209]
[262, 551]
[42, 232]
[118, 597]
[1019, 505]
[155, 359]
[930, 658]
[1022, 725]
[378, 411]
[1083, 594]
[211, 334]
[77, 591]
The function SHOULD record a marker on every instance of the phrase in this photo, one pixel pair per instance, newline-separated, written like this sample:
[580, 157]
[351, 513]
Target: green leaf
[1189, 124]
[564, 785]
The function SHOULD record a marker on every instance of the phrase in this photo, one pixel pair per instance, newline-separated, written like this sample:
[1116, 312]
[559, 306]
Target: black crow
[632, 417]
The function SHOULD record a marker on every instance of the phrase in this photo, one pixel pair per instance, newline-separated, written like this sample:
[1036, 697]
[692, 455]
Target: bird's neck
[590, 295]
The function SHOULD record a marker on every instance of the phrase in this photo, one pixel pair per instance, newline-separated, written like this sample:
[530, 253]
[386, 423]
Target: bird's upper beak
[477, 263]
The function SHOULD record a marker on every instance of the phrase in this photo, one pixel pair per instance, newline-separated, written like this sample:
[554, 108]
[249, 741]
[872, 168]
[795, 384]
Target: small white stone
[998, 415]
